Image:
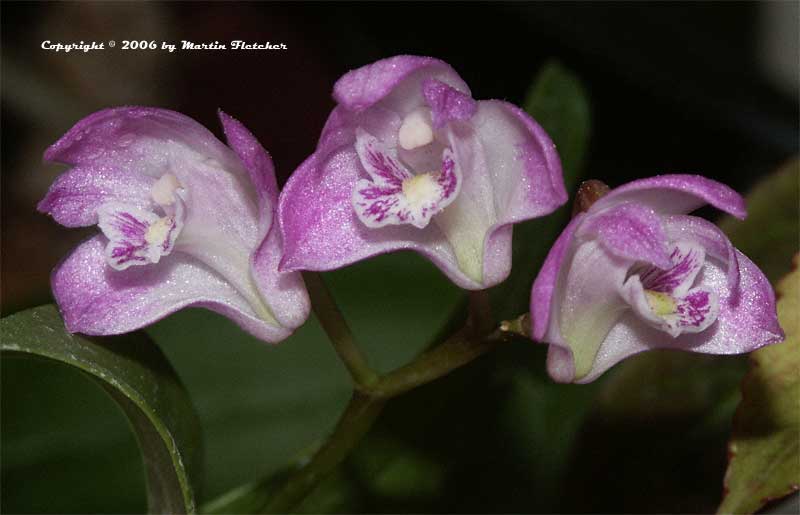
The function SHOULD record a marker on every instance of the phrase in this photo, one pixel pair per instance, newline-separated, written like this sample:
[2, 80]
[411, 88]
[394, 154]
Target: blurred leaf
[765, 449]
[542, 420]
[420, 302]
[771, 233]
[558, 101]
[337, 493]
[394, 470]
[669, 384]
[139, 378]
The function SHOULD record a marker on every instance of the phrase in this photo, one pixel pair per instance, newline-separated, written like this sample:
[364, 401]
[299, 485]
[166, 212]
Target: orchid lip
[665, 298]
[393, 195]
[139, 236]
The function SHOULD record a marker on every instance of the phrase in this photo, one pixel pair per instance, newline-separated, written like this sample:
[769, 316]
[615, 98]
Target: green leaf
[558, 101]
[139, 378]
[764, 449]
[771, 233]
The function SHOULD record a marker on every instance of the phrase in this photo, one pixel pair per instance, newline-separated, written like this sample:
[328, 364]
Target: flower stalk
[335, 326]
[357, 419]
[373, 391]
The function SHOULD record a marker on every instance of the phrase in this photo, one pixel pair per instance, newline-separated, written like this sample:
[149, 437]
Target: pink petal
[521, 162]
[116, 155]
[588, 303]
[676, 194]
[711, 238]
[97, 300]
[542, 293]
[630, 231]
[687, 261]
[380, 162]
[321, 231]
[284, 292]
[363, 87]
[741, 327]
[447, 103]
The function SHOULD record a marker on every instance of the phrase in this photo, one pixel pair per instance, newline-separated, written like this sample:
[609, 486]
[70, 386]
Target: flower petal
[380, 162]
[742, 326]
[283, 292]
[97, 300]
[137, 236]
[544, 323]
[321, 231]
[363, 87]
[589, 303]
[378, 206]
[692, 312]
[676, 194]
[510, 169]
[446, 103]
[687, 261]
[711, 238]
[126, 228]
[257, 162]
[117, 154]
[521, 162]
[511, 173]
[630, 231]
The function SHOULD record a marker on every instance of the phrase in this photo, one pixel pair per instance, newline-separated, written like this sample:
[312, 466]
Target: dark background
[697, 88]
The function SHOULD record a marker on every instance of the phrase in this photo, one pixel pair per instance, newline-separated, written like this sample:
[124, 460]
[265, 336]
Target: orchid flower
[184, 221]
[408, 160]
[635, 272]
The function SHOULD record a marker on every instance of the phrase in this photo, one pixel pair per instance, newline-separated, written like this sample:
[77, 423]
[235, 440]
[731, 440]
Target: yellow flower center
[157, 233]
[420, 189]
[661, 303]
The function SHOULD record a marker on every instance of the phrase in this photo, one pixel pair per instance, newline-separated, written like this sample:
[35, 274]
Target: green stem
[455, 352]
[356, 420]
[373, 391]
[338, 332]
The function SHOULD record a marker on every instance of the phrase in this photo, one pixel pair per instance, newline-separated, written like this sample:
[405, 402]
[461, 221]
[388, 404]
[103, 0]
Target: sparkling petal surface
[544, 287]
[363, 87]
[630, 231]
[446, 103]
[711, 238]
[590, 302]
[676, 194]
[95, 299]
[741, 326]
[117, 154]
[284, 292]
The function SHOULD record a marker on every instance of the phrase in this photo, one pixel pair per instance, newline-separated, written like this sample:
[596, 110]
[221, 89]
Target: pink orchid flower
[635, 272]
[184, 220]
[408, 160]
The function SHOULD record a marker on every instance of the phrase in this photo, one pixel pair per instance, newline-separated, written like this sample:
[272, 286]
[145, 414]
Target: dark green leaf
[139, 378]
[764, 449]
